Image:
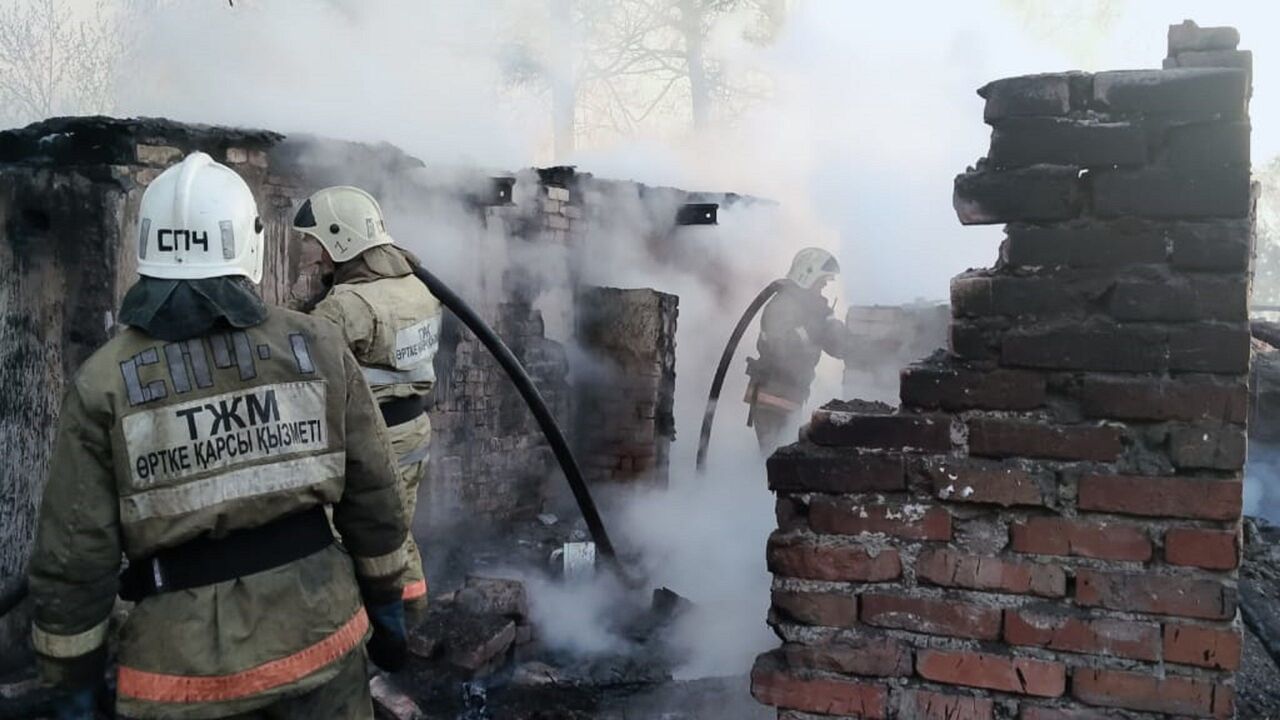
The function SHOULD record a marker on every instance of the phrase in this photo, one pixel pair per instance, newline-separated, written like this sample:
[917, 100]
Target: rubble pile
[1049, 526]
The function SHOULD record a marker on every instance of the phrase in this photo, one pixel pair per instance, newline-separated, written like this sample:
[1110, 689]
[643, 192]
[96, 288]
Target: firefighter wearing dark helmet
[797, 326]
[392, 325]
[204, 443]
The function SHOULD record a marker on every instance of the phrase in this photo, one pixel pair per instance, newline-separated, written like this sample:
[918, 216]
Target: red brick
[810, 468]
[949, 568]
[1209, 549]
[1210, 647]
[933, 387]
[1161, 496]
[1156, 594]
[881, 431]
[772, 686]
[931, 616]
[1212, 447]
[1135, 691]
[824, 609]
[1119, 638]
[875, 657]
[1061, 536]
[993, 672]
[801, 558]
[1181, 399]
[997, 437]
[911, 522]
[925, 705]
[963, 481]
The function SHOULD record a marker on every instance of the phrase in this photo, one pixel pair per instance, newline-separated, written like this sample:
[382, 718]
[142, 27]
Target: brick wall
[626, 386]
[1048, 528]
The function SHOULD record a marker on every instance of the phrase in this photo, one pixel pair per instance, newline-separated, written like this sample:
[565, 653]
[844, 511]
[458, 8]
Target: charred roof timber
[697, 214]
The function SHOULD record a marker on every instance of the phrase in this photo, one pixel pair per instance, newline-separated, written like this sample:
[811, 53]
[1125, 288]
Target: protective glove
[389, 645]
[75, 705]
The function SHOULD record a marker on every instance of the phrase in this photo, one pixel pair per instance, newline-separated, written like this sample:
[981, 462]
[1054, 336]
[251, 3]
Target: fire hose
[546, 421]
[717, 383]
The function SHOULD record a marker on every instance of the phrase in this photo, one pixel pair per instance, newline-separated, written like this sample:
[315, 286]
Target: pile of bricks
[1048, 528]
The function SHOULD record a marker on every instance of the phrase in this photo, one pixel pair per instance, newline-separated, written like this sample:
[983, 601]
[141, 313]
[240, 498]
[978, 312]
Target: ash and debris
[479, 656]
[1258, 685]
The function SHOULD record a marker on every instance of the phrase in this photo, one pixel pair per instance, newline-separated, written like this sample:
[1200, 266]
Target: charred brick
[1210, 447]
[1210, 348]
[1160, 399]
[1040, 193]
[811, 468]
[1172, 192]
[1116, 348]
[1084, 244]
[930, 433]
[1028, 95]
[911, 522]
[997, 437]
[1182, 94]
[1019, 142]
[1208, 144]
[1188, 36]
[932, 388]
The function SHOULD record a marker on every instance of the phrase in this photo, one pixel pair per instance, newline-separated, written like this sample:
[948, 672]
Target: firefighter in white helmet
[796, 328]
[392, 325]
[204, 443]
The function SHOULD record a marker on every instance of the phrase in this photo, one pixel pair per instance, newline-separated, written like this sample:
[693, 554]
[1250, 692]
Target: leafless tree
[614, 67]
[53, 63]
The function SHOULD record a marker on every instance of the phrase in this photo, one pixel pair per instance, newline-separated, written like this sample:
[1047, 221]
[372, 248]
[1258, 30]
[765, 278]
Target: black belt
[205, 561]
[398, 411]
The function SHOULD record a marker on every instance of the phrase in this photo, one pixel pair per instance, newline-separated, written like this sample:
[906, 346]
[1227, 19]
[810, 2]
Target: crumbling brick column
[1048, 528]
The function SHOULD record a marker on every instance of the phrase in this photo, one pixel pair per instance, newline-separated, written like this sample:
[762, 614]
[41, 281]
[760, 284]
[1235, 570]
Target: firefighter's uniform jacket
[392, 325]
[161, 443]
[796, 327]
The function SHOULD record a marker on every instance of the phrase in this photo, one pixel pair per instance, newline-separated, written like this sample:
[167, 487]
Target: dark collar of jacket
[175, 310]
[376, 263]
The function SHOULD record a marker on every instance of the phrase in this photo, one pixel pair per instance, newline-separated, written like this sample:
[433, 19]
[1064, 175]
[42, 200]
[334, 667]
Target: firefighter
[796, 328]
[204, 442]
[392, 325]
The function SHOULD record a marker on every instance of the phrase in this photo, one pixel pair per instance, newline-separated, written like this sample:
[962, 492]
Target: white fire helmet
[811, 265]
[346, 220]
[198, 219]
